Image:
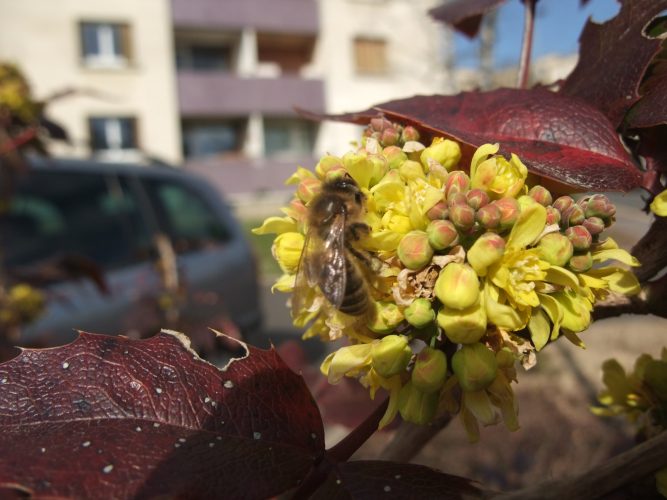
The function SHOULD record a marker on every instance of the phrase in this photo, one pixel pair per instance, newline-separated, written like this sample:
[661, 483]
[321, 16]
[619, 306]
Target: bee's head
[345, 186]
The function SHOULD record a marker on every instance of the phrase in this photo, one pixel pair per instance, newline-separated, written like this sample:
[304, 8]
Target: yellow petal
[346, 360]
[276, 225]
[617, 279]
[554, 311]
[529, 226]
[615, 254]
[659, 206]
[502, 315]
[480, 155]
[563, 277]
[359, 167]
[284, 284]
[480, 406]
[300, 174]
[539, 327]
[393, 385]
[576, 311]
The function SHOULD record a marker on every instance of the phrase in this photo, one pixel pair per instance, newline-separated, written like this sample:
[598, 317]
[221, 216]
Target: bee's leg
[357, 230]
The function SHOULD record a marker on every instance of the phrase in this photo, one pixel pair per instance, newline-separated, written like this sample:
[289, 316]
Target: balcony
[218, 94]
[276, 16]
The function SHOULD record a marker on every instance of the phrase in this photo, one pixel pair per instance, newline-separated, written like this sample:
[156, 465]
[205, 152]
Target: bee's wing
[306, 274]
[331, 268]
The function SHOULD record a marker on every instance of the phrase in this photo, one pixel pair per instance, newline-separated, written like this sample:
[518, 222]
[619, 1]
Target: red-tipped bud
[572, 216]
[580, 237]
[410, 134]
[553, 216]
[457, 199]
[477, 198]
[430, 370]
[414, 250]
[442, 234]
[541, 195]
[389, 137]
[394, 155]
[489, 216]
[563, 202]
[555, 248]
[439, 211]
[595, 225]
[581, 263]
[599, 206]
[308, 188]
[509, 211]
[463, 216]
[457, 182]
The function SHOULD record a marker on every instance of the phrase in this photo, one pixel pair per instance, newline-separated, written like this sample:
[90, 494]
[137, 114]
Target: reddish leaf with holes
[613, 59]
[376, 479]
[113, 417]
[465, 15]
[559, 138]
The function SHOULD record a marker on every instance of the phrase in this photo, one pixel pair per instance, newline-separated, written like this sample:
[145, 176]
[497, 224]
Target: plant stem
[411, 438]
[527, 45]
[343, 450]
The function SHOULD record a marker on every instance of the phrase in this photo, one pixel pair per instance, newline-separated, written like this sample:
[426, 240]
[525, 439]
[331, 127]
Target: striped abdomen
[355, 300]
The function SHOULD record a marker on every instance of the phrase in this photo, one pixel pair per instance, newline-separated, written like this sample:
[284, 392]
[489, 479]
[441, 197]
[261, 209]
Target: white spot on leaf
[229, 384]
[387, 489]
[256, 435]
[138, 429]
[65, 365]
[158, 390]
[107, 469]
[85, 444]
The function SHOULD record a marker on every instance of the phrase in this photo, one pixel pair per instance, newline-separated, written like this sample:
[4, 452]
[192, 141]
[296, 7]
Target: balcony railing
[277, 16]
[224, 94]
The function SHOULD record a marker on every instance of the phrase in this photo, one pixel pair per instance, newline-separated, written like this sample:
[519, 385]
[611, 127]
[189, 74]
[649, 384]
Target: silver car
[125, 249]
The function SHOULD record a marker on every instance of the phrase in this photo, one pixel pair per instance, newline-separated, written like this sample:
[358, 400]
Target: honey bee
[329, 259]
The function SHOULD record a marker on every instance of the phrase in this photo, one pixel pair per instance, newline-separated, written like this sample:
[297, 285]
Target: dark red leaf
[558, 137]
[465, 15]
[651, 109]
[377, 479]
[117, 418]
[613, 59]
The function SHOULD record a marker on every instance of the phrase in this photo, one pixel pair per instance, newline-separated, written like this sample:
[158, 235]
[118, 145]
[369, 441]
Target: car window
[186, 218]
[53, 214]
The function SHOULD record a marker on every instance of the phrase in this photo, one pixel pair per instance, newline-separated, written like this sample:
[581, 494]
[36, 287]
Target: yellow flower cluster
[467, 261]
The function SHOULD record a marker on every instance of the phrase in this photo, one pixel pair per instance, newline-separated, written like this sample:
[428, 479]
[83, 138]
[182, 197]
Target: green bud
[457, 286]
[414, 250]
[416, 406]
[391, 355]
[447, 153]
[411, 170]
[463, 216]
[379, 168]
[541, 195]
[488, 216]
[463, 327]
[572, 216]
[553, 216]
[581, 263]
[505, 358]
[308, 188]
[655, 376]
[387, 317]
[509, 212]
[595, 225]
[563, 202]
[555, 248]
[389, 137]
[477, 198]
[475, 366]
[599, 205]
[580, 237]
[395, 156]
[409, 134]
[442, 234]
[430, 370]
[326, 163]
[457, 182]
[335, 172]
[439, 211]
[419, 313]
[486, 251]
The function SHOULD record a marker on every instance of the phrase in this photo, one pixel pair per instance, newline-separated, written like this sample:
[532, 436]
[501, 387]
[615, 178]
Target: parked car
[124, 249]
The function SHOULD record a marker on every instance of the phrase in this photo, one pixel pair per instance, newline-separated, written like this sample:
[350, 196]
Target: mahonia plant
[474, 269]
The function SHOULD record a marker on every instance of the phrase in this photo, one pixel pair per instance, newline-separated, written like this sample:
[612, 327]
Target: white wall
[42, 37]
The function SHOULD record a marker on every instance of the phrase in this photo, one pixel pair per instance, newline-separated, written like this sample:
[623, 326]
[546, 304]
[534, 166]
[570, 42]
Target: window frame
[361, 68]
[116, 152]
[106, 58]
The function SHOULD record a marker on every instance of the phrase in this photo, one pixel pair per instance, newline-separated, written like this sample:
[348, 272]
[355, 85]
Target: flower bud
[555, 248]
[477, 198]
[475, 366]
[463, 216]
[430, 370]
[581, 263]
[442, 234]
[457, 286]
[379, 123]
[335, 172]
[509, 211]
[379, 168]
[595, 225]
[505, 358]
[487, 250]
[286, 249]
[414, 250]
[541, 195]
[409, 134]
[308, 188]
[419, 313]
[387, 317]
[655, 376]
[457, 182]
[447, 153]
[563, 202]
[391, 355]
[389, 137]
[326, 163]
[553, 216]
[599, 206]
[439, 211]
[411, 170]
[463, 327]
[489, 216]
[395, 156]
[572, 216]
[580, 237]
[416, 406]
[457, 199]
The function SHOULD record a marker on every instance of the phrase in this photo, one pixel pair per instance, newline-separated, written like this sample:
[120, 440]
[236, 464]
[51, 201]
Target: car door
[89, 231]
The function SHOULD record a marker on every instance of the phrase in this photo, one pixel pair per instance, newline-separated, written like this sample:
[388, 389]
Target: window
[289, 52]
[57, 214]
[113, 134]
[370, 56]
[186, 218]
[288, 137]
[203, 138]
[105, 45]
[204, 57]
